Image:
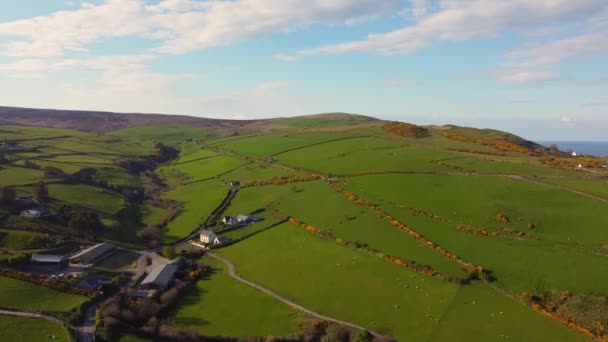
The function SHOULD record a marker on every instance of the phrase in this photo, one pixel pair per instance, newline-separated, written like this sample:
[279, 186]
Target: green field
[17, 294]
[210, 306]
[15, 239]
[598, 187]
[17, 329]
[370, 292]
[432, 185]
[198, 200]
[87, 196]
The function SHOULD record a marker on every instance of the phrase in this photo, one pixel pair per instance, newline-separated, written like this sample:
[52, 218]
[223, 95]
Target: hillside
[450, 232]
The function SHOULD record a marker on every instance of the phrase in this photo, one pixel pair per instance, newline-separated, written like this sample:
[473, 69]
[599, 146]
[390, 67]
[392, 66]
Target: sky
[538, 68]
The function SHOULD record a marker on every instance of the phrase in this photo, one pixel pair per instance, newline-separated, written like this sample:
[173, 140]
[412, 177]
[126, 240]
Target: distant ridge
[100, 121]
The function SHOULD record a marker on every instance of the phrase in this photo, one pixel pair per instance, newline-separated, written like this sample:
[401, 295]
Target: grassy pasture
[370, 292]
[87, 196]
[16, 239]
[202, 169]
[482, 314]
[18, 294]
[596, 187]
[210, 306]
[115, 175]
[67, 168]
[190, 156]
[18, 329]
[477, 201]
[198, 199]
[347, 156]
[318, 205]
[18, 175]
[80, 158]
[494, 165]
[266, 145]
[170, 134]
[519, 265]
[256, 172]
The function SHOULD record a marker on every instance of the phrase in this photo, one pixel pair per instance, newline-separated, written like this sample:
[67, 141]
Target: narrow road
[565, 188]
[286, 301]
[31, 315]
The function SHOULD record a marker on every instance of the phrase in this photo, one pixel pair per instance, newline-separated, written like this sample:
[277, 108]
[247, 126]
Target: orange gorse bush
[406, 130]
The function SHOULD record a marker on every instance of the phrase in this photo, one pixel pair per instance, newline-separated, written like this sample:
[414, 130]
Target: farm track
[233, 275]
[578, 192]
[34, 315]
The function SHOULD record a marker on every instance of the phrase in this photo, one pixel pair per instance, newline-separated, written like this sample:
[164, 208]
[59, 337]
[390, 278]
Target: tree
[41, 193]
[86, 223]
[362, 336]
[151, 232]
[169, 252]
[8, 195]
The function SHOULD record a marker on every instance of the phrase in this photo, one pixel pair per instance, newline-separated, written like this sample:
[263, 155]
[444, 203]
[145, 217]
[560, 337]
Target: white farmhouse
[208, 236]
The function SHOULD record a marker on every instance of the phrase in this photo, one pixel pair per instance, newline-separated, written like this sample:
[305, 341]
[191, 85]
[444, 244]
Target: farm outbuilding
[160, 277]
[93, 254]
[49, 259]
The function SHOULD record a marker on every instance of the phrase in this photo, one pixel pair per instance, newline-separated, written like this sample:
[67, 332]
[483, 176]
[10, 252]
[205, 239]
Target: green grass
[16, 239]
[167, 134]
[364, 155]
[370, 291]
[153, 215]
[525, 166]
[201, 169]
[256, 172]
[479, 313]
[114, 175]
[266, 145]
[18, 294]
[551, 263]
[17, 329]
[318, 205]
[210, 306]
[596, 187]
[477, 201]
[87, 196]
[198, 199]
[17, 175]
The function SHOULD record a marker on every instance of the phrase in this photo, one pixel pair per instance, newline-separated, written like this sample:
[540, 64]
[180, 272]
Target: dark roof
[91, 282]
[93, 251]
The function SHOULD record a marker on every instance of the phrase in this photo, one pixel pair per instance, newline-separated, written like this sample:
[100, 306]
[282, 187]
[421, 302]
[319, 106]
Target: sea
[594, 148]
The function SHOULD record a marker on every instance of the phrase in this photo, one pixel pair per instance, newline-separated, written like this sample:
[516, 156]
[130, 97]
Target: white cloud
[51, 35]
[458, 20]
[531, 63]
[181, 25]
[525, 77]
[566, 119]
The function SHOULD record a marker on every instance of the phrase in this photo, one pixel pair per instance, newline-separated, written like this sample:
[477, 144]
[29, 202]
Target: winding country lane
[286, 301]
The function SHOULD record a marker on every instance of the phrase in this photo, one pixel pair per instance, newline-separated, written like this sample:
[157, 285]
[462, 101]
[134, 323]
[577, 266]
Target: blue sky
[538, 68]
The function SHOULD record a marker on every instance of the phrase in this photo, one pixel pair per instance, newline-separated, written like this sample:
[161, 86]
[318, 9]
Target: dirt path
[578, 192]
[232, 274]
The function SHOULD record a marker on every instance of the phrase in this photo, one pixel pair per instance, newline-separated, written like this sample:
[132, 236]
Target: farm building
[160, 277]
[91, 283]
[93, 254]
[247, 219]
[229, 220]
[233, 183]
[207, 236]
[35, 213]
[49, 259]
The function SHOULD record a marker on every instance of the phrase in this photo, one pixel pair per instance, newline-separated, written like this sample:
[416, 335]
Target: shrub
[406, 130]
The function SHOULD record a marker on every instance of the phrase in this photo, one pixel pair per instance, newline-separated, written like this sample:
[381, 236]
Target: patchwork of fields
[415, 239]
